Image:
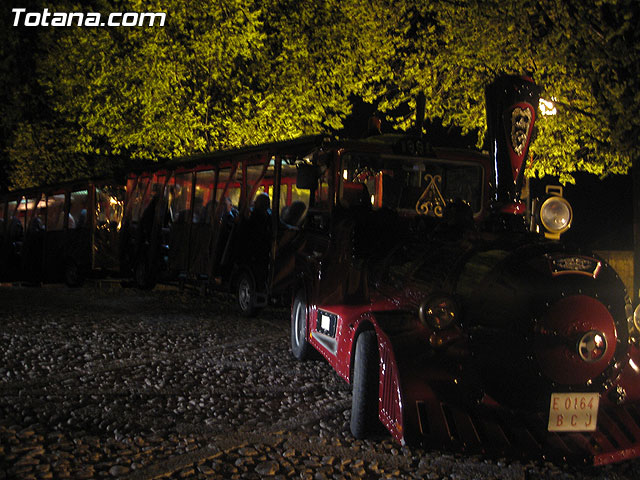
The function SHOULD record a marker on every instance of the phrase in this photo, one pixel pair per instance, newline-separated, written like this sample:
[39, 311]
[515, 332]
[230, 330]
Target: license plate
[573, 412]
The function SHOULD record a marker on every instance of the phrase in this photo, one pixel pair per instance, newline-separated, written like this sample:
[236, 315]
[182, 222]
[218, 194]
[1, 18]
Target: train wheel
[299, 343]
[142, 275]
[72, 275]
[366, 371]
[246, 294]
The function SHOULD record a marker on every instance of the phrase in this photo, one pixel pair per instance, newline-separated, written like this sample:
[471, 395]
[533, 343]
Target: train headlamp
[556, 215]
[438, 312]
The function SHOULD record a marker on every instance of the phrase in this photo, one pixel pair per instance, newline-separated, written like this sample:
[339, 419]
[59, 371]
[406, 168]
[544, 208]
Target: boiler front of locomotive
[543, 321]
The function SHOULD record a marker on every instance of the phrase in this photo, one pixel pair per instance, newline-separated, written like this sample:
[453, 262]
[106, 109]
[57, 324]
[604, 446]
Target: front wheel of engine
[366, 372]
[299, 343]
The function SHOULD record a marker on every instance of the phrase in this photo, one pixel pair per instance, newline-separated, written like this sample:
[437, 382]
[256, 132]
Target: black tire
[142, 275]
[246, 294]
[299, 344]
[72, 276]
[365, 386]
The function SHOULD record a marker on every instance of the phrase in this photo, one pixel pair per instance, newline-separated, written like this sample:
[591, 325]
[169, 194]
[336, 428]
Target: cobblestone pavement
[116, 383]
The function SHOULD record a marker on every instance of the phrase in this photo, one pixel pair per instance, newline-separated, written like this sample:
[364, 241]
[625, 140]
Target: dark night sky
[603, 212]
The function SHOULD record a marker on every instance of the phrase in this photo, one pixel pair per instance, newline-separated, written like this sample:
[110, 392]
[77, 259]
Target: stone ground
[105, 382]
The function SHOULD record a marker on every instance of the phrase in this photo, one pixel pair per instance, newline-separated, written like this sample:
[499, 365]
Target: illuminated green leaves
[218, 75]
[223, 74]
[585, 55]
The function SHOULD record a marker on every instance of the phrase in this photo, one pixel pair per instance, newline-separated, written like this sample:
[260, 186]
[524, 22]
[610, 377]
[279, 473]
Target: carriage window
[55, 212]
[204, 203]
[181, 197]
[78, 210]
[322, 192]
[150, 199]
[16, 216]
[283, 195]
[137, 197]
[289, 176]
[40, 214]
[34, 223]
[268, 189]
[299, 194]
[154, 191]
[412, 185]
[260, 180]
[13, 211]
[229, 186]
[109, 206]
[36, 213]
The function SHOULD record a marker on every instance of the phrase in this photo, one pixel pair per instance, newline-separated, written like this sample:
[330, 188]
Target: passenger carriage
[65, 232]
[194, 221]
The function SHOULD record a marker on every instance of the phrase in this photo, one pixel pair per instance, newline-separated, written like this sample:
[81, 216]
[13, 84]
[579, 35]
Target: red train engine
[424, 285]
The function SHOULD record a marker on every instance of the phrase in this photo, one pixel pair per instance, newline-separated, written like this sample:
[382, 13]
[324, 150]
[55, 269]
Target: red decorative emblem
[519, 120]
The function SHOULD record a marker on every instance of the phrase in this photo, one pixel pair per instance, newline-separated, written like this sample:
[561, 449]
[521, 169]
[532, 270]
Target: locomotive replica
[457, 314]
[453, 308]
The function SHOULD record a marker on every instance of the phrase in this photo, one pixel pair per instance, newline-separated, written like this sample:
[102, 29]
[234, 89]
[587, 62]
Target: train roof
[70, 185]
[297, 146]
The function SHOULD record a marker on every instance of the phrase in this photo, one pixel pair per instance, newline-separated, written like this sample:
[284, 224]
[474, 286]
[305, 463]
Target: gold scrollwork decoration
[431, 202]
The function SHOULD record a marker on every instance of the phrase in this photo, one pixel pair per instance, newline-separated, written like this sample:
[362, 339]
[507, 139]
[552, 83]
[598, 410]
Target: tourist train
[422, 275]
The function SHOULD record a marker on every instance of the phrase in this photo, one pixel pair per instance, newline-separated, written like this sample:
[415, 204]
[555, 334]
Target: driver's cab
[413, 186]
[368, 197]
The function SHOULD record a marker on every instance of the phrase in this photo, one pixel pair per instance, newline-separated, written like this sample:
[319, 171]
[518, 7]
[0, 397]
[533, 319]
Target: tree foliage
[223, 74]
[583, 53]
[217, 75]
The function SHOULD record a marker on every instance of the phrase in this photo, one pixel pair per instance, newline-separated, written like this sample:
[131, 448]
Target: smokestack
[511, 103]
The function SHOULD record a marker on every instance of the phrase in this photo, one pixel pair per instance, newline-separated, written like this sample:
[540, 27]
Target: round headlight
[636, 318]
[556, 214]
[438, 312]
